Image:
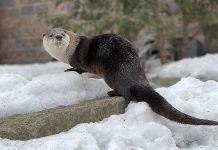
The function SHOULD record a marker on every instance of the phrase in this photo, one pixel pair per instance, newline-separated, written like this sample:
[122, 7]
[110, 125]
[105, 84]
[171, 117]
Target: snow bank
[32, 70]
[19, 95]
[205, 67]
[138, 128]
[31, 88]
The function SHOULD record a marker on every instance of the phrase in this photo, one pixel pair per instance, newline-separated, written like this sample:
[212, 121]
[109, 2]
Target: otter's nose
[59, 37]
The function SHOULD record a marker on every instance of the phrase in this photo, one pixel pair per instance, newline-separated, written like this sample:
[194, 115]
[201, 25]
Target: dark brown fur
[115, 59]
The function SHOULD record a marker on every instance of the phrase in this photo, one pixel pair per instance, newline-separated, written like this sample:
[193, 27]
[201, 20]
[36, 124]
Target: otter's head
[60, 43]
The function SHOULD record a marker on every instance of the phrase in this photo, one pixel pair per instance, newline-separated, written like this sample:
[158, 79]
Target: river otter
[114, 59]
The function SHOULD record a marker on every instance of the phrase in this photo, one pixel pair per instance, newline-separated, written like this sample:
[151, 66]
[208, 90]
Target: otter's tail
[159, 105]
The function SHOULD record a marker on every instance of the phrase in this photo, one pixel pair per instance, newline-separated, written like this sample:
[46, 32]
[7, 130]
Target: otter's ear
[43, 34]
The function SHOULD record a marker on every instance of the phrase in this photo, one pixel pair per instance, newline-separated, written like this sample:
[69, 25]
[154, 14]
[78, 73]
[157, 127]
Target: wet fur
[114, 58]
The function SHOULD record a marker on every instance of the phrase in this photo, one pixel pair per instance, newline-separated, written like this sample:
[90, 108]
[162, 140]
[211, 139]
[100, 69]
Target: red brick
[21, 30]
[28, 10]
[6, 3]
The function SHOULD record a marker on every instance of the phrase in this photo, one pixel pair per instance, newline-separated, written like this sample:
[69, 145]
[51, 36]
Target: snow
[138, 128]
[201, 67]
[47, 90]
[32, 70]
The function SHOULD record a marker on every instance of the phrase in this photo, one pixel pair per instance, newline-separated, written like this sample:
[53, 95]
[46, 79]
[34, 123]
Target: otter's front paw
[113, 93]
[71, 69]
[74, 69]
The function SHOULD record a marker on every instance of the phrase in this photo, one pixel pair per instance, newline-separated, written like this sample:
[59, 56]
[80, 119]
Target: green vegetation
[204, 12]
[96, 17]
[128, 17]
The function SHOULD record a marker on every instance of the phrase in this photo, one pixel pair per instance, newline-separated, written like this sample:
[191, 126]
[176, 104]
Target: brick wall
[21, 30]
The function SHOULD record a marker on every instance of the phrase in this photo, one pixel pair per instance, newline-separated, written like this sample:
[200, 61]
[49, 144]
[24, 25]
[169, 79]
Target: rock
[164, 82]
[60, 119]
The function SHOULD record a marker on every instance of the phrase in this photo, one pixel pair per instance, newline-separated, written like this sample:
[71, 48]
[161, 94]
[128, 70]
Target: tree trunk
[184, 47]
[160, 46]
[160, 35]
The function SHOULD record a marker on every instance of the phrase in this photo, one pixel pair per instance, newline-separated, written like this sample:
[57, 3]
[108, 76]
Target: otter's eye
[50, 35]
[63, 34]
[43, 35]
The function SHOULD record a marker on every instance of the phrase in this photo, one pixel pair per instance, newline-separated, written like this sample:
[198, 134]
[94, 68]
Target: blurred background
[161, 30]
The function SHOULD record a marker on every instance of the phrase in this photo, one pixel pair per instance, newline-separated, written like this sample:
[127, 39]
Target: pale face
[56, 42]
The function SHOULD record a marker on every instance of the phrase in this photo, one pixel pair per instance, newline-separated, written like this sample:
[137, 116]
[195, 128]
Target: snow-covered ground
[32, 70]
[42, 86]
[23, 89]
[205, 67]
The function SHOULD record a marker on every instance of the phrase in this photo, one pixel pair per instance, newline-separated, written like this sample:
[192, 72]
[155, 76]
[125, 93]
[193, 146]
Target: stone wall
[21, 30]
